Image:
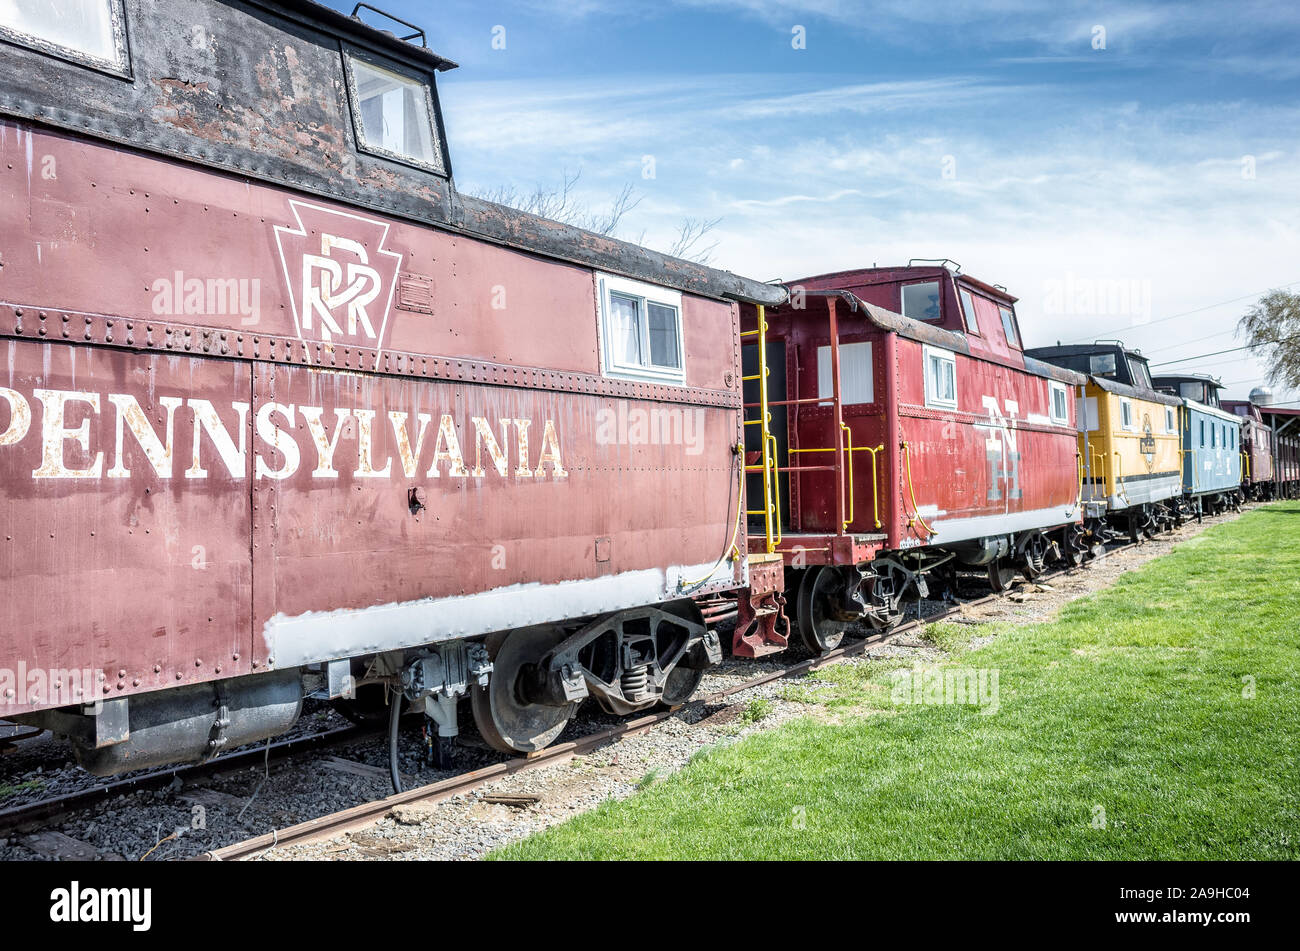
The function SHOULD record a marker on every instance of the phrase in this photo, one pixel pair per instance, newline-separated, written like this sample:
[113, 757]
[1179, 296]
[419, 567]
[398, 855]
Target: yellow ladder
[771, 510]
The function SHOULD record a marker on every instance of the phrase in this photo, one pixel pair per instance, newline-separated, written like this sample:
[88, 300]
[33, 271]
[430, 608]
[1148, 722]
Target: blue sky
[1126, 169]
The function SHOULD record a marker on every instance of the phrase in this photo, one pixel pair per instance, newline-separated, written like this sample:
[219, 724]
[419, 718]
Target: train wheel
[1075, 549]
[508, 722]
[1001, 575]
[680, 686]
[819, 629]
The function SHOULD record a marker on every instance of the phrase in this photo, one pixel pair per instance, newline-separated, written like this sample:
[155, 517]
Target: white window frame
[902, 297]
[1063, 419]
[1009, 326]
[1171, 420]
[1126, 418]
[931, 396]
[436, 163]
[968, 313]
[120, 65]
[607, 284]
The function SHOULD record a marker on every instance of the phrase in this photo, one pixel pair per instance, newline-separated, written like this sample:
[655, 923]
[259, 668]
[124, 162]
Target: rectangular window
[1126, 414]
[90, 31]
[921, 301]
[1138, 373]
[393, 114]
[1009, 326]
[940, 378]
[1060, 404]
[968, 307]
[641, 330]
[1102, 364]
[1214, 437]
[1169, 420]
[1202, 434]
[1088, 413]
[855, 374]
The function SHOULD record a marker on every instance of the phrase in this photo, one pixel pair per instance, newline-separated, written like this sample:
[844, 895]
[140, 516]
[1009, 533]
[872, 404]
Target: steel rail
[44, 810]
[329, 826]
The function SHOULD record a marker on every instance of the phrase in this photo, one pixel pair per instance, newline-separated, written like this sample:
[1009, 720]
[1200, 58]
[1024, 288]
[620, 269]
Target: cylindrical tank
[1261, 396]
[189, 724]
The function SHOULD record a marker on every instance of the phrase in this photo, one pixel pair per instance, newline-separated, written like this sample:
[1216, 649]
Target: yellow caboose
[1130, 447]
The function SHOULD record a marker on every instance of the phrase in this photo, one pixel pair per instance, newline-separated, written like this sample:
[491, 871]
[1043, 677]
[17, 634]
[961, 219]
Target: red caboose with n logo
[896, 432]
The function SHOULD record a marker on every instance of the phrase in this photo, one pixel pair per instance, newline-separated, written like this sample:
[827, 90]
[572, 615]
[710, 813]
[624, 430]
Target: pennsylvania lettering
[287, 438]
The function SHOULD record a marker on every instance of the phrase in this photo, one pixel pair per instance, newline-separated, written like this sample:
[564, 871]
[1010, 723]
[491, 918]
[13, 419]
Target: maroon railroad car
[901, 434]
[1284, 424]
[1257, 476]
[282, 411]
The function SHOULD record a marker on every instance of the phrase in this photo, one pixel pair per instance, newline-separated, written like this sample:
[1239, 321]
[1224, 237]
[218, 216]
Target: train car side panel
[127, 518]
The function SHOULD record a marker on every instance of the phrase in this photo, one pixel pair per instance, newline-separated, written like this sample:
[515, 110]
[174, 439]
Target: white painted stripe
[983, 526]
[319, 636]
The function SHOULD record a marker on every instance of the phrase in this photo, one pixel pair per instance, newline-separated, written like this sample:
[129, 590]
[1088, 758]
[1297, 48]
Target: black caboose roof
[258, 88]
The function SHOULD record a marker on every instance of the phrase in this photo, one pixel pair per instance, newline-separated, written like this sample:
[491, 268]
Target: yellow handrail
[849, 433]
[875, 474]
[768, 461]
[733, 552]
[911, 492]
[1078, 462]
[875, 483]
[1119, 475]
[776, 499]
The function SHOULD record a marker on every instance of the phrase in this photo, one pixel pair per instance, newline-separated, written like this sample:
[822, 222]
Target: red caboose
[895, 431]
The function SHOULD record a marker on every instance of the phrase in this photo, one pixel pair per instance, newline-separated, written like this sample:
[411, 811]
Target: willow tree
[1271, 329]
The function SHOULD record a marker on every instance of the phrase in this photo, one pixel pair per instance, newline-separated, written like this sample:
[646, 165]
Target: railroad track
[365, 814]
[46, 811]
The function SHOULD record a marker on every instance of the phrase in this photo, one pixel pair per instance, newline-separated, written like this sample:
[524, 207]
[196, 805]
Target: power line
[1187, 343]
[1186, 313]
[1217, 353]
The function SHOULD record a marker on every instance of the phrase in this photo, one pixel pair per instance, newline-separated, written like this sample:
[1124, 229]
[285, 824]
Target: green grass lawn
[1155, 720]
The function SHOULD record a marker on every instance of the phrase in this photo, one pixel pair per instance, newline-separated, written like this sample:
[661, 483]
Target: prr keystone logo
[340, 276]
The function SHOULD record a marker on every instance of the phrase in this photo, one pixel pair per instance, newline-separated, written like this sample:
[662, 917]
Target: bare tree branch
[557, 202]
[689, 235]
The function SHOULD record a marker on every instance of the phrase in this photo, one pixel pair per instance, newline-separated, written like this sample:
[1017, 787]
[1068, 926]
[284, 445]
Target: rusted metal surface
[761, 625]
[120, 571]
[258, 89]
[228, 442]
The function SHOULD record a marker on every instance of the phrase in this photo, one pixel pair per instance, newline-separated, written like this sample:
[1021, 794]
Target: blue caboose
[1211, 443]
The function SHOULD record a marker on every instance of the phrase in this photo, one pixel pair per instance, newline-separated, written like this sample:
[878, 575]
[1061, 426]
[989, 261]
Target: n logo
[341, 278]
[1000, 451]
